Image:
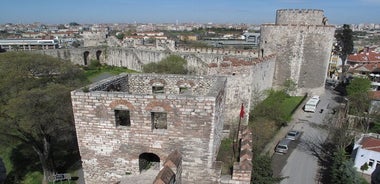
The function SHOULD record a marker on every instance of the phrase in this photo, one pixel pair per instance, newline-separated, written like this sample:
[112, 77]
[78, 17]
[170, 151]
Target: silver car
[283, 146]
[293, 135]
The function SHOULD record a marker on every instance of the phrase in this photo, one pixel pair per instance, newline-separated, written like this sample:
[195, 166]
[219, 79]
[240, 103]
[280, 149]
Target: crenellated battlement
[299, 10]
[300, 16]
[221, 51]
[238, 62]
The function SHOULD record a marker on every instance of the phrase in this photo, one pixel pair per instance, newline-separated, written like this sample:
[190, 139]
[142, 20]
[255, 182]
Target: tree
[61, 26]
[35, 105]
[172, 64]
[119, 35]
[344, 46]
[262, 172]
[2, 50]
[343, 170]
[74, 24]
[364, 167]
[359, 101]
[289, 86]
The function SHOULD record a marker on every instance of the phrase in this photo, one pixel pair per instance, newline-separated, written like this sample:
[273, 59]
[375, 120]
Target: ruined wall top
[154, 84]
[300, 16]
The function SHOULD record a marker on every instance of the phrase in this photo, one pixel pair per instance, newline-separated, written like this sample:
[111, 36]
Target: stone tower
[124, 121]
[302, 43]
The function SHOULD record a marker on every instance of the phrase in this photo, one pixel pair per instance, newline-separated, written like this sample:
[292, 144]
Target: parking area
[298, 165]
[279, 160]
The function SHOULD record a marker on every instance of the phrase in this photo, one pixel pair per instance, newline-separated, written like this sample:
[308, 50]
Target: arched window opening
[85, 57]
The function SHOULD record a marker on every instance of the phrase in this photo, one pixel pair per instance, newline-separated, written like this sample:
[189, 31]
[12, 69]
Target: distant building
[29, 44]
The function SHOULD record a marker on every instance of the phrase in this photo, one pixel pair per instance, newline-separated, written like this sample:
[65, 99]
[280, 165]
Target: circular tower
[299, 16]
[302, 43]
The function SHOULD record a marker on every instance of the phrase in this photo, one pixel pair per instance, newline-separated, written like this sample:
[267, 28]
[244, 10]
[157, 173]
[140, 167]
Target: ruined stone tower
[302, 43]
[128, 119]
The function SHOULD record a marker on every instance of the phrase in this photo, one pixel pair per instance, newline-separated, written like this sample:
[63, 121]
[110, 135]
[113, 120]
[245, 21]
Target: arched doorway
[85, 57]
[149, 161]
[98, 53]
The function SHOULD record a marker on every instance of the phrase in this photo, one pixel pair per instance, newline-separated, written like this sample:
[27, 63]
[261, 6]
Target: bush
[278, 106]
[33, 178]
[173, 64]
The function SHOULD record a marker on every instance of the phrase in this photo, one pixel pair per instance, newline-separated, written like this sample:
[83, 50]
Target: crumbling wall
[194, 126]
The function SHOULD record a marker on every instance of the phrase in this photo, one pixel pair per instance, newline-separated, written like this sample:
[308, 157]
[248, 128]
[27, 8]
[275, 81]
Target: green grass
[94, 72]
[288, 106]
[225, 155]
[33, 178]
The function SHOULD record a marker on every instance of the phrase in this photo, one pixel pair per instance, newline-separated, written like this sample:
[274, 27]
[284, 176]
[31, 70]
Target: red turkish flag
[242, 111]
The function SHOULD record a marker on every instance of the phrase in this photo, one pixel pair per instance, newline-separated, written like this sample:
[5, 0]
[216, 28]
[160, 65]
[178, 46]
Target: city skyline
[171, 11]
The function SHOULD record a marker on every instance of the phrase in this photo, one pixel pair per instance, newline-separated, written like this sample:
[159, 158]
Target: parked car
[293, 135]
[283, 146]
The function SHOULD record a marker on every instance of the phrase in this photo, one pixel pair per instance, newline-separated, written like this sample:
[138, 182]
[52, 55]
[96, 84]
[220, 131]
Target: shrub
[173, 64]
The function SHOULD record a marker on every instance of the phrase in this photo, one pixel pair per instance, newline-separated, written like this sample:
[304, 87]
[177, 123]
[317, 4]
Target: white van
[311, 104]
[283, 146]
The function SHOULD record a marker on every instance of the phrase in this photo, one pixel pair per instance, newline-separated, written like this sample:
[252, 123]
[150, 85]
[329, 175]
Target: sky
[181, 11]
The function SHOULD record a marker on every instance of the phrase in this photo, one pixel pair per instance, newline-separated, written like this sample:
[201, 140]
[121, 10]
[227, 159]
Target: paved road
[299, 166]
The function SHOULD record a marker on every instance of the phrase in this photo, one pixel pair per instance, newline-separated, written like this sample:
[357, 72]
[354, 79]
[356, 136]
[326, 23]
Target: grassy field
[93, 72]
[289, 105]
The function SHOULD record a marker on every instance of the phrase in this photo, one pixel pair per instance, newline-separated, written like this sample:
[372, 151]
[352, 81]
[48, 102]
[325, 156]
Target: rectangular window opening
[159, 120]
[183, 90]
[370, 163]
[122, 118]
[158, 89]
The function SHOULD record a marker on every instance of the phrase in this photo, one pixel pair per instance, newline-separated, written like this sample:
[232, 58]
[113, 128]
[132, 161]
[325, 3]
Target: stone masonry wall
[299, 16]
[200, 61]
[302, 51]
[109, 151]
[245, 79]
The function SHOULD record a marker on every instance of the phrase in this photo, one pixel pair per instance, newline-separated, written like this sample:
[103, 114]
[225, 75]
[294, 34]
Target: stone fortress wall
[194, 124]
[302, 43]
[245, 71]
[297, 47]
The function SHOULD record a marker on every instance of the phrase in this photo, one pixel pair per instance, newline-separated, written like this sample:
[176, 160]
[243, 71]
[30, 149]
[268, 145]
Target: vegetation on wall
[172, 64]
[95, 68]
